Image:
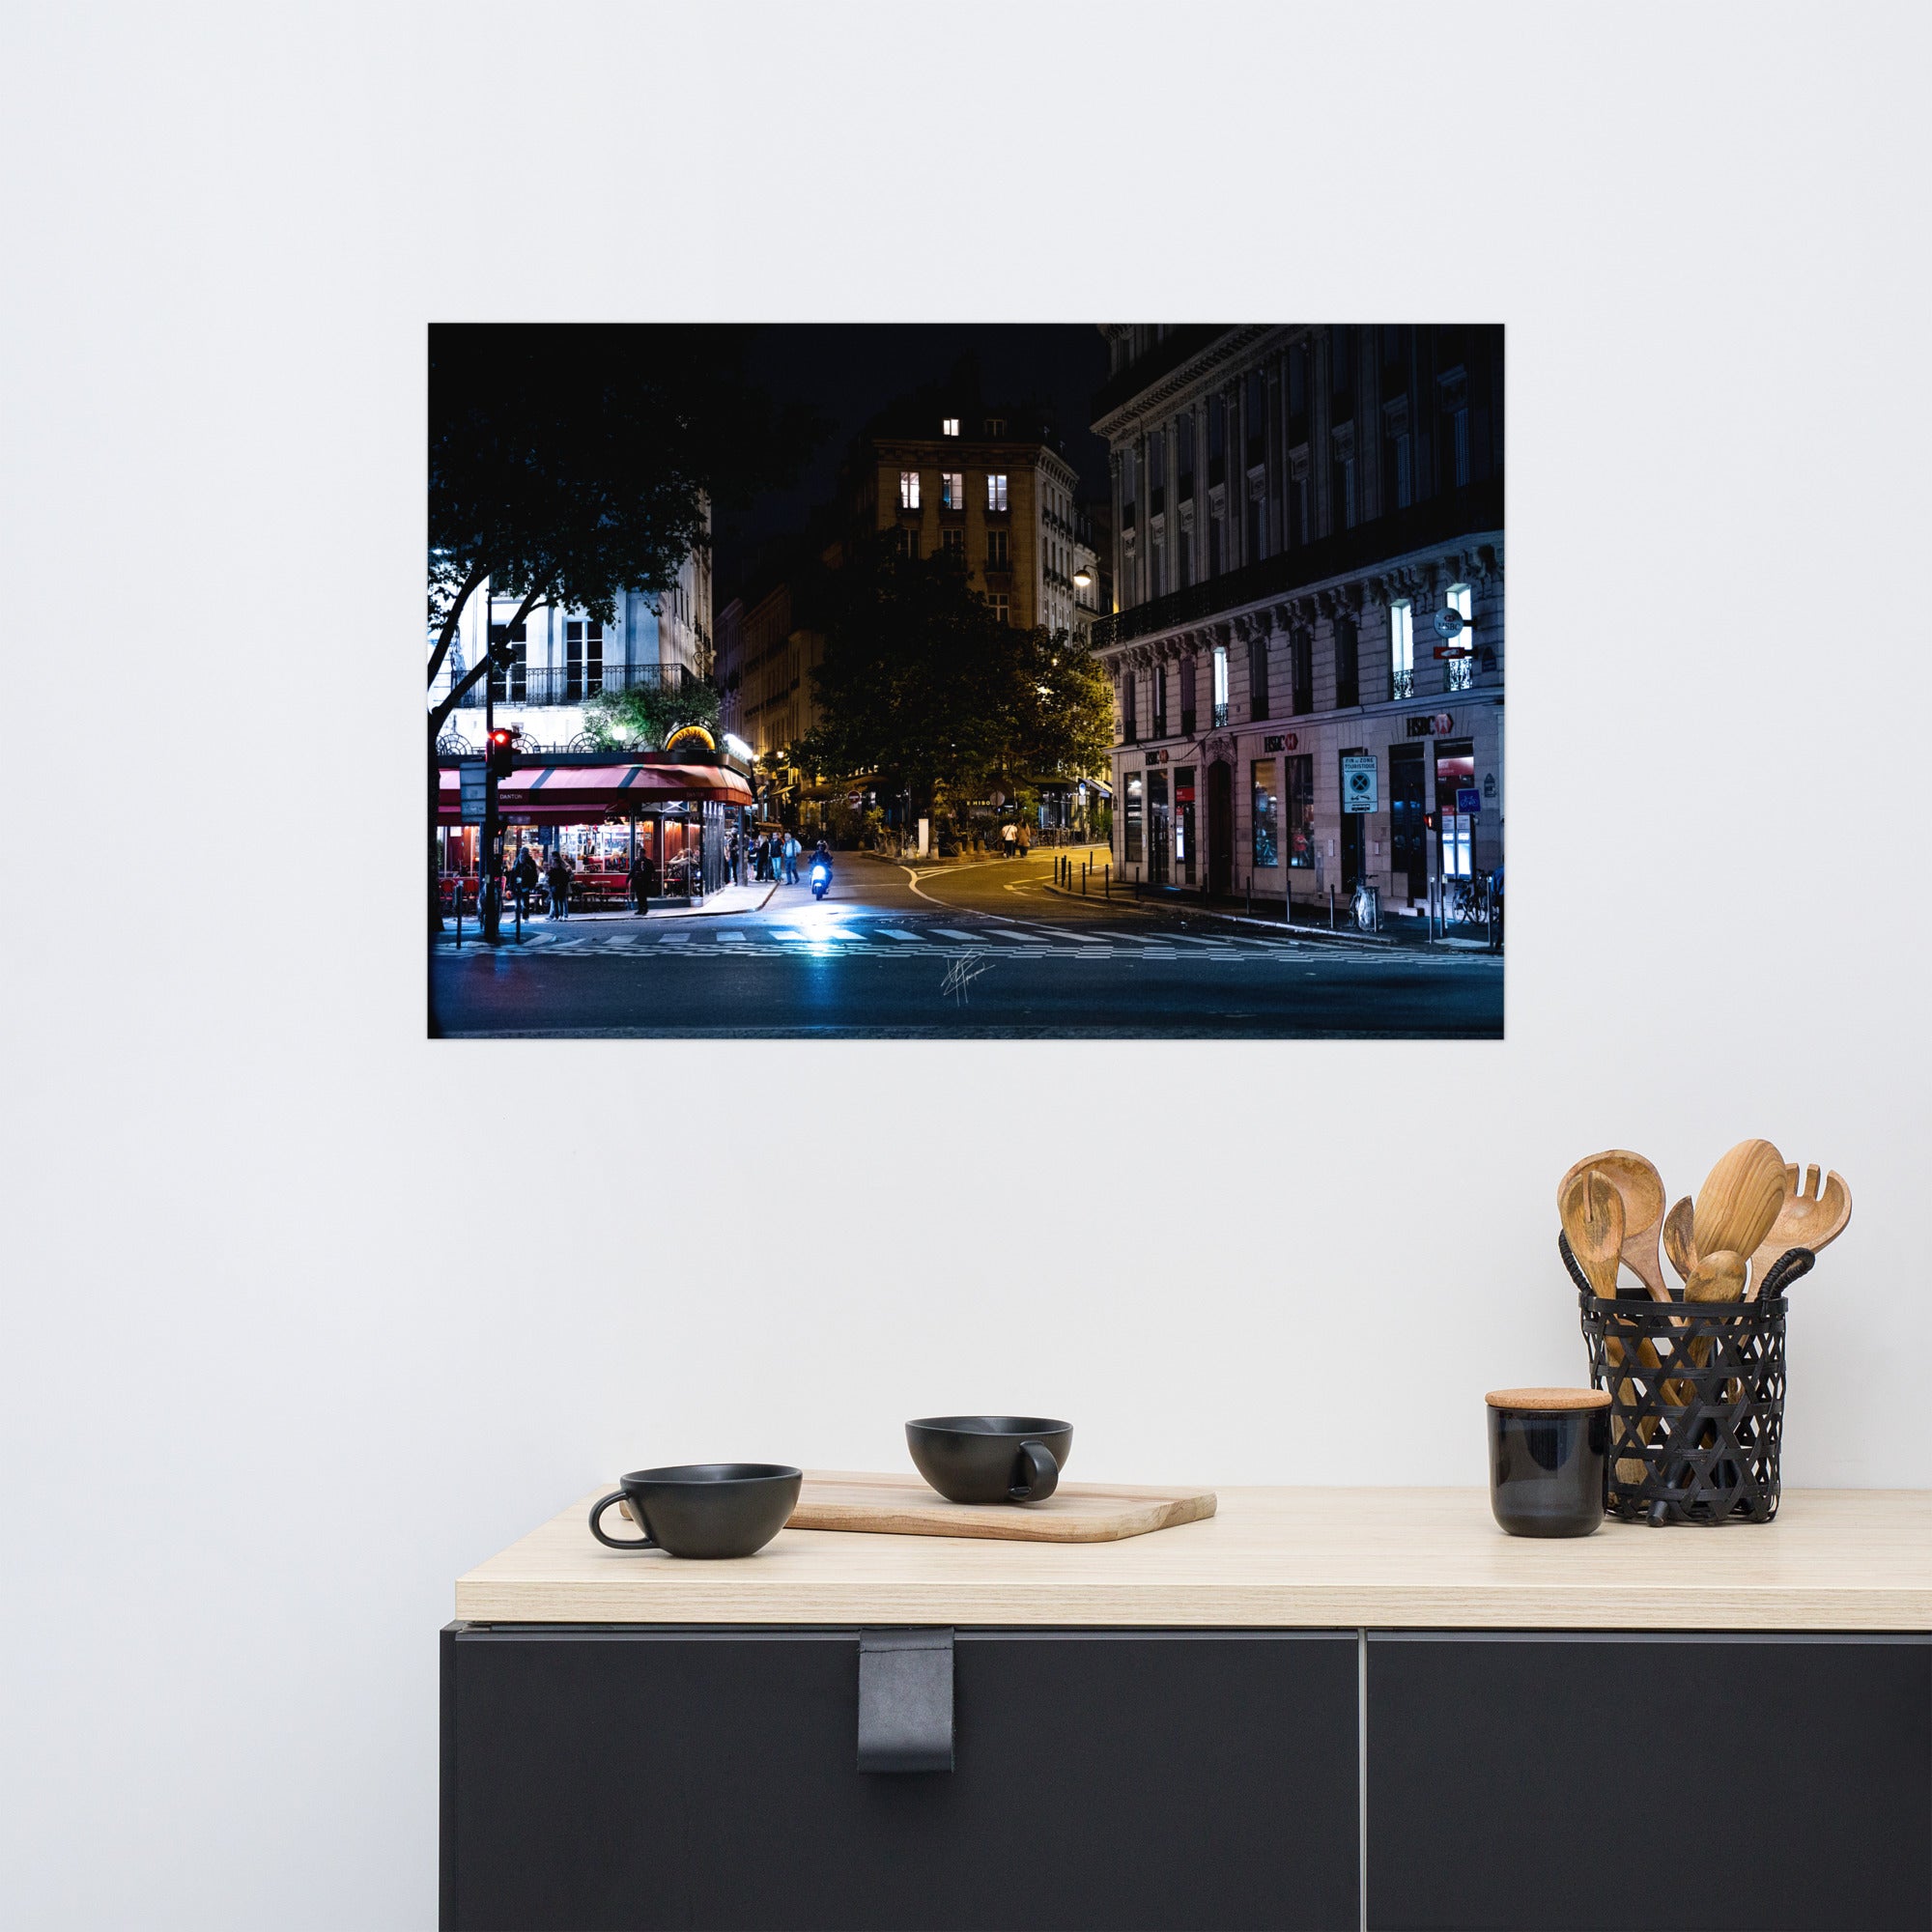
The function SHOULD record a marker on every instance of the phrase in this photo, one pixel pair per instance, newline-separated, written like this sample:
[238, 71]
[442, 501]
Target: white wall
[268, 1387]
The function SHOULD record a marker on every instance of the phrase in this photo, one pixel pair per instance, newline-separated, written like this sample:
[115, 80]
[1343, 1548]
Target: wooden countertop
[1834, 1559]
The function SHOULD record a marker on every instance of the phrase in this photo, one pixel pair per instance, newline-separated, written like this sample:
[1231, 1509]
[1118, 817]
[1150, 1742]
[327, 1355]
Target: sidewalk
[1399, 931]
[728, 899]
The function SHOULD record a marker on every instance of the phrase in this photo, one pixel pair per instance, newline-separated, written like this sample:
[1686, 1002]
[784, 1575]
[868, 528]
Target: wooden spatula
[1593, 1219]
[1809, 1216]
[1593, 1223]
[1641, 1188]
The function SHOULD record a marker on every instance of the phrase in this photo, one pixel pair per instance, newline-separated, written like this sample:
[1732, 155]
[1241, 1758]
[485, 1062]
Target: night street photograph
[1004, 681]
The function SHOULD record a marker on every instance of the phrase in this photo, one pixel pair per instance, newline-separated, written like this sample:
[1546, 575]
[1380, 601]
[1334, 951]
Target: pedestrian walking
[1025, 840]
[524, 878]
[560, 886]
[764, 856]
[1009, 836]
[792, 849]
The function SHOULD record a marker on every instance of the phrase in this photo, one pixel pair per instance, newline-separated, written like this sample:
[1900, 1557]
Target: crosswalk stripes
[854, 936]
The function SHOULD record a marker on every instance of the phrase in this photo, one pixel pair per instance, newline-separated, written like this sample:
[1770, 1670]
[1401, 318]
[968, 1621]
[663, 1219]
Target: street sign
[1358, 784]
[1468, 799]
[471, 773]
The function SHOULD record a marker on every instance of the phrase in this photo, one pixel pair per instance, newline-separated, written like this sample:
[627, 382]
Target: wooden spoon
[1679, 1240]
[1717, 1277]
[1641, 1187]
[1739, 1201]
[1809, 1216]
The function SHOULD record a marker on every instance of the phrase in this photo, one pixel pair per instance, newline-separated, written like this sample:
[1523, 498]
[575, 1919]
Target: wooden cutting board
[1075, 1513]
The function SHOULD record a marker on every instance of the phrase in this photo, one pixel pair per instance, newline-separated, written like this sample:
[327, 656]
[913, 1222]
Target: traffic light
[497, 756]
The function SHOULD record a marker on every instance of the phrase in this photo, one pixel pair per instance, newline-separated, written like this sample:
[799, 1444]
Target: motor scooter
[821, 878]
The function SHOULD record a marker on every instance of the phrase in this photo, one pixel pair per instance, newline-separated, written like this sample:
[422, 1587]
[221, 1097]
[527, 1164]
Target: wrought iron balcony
[1402, 684]
[562, 684]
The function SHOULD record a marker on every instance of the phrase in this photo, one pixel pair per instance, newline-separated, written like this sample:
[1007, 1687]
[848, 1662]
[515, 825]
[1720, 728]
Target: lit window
[952, 490]
[1402, 649]
[950, 426]
[1220, 684]
[1000, 606]
[908, 488]
[996, 491]
[1266, 826]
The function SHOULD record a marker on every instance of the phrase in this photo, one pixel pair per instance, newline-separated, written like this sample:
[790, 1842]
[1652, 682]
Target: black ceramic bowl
[990, 1459]
[703, 1509]
[1548, 1455]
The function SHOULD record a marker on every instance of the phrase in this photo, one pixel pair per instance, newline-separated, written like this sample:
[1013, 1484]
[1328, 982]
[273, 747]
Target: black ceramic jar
[1549, 1459]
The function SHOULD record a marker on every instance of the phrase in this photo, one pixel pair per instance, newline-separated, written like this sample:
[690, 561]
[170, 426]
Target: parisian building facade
[560, 659]
[1308, 658]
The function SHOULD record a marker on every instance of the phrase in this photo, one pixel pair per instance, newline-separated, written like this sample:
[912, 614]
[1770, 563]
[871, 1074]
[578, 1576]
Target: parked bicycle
[1471, 903]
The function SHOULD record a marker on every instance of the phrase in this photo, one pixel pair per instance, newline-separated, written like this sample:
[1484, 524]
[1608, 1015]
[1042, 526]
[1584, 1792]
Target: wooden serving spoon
[1717, 1277]
[1680, 1239]
[1738, 1200]
[1641, 1187]
[1809, 1216]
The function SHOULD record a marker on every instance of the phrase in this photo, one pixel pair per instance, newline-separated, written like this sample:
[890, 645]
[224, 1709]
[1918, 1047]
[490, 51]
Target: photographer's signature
[961, 975]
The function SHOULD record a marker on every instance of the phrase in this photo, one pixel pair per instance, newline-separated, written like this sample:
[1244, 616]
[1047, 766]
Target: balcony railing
[562, 684]
[1437, 520]
[1402, 684]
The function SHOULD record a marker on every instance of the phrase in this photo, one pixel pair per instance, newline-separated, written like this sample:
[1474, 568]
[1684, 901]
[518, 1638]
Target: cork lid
[1549, 1400]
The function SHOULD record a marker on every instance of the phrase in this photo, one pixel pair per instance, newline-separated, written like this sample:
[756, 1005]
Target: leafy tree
[922, 685]
[568, 464]
[641, 717]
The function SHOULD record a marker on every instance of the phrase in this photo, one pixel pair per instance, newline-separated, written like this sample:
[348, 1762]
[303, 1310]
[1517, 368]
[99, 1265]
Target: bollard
[1107, 881]
[1331, 896]
[459, 915]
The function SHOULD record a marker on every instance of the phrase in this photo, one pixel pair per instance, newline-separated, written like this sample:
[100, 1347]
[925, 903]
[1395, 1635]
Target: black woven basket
[1696, 1399]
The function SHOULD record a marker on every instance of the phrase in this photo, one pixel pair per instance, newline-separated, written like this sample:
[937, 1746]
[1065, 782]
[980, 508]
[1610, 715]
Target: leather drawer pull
[905, 1700]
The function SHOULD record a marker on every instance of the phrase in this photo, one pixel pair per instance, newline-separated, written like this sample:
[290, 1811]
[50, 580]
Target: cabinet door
[1620, 1781]
[601, 1778]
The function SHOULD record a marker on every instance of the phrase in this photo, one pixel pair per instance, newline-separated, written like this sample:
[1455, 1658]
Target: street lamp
[1083, 576]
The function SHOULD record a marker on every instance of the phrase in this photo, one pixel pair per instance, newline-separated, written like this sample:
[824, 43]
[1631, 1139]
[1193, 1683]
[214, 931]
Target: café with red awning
[600, 810]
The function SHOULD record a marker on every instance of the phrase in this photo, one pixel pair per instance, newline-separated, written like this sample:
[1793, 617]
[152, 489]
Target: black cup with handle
[703, 1508]
[990, 1459]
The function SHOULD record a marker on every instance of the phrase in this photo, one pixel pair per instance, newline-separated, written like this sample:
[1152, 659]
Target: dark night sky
[850, 371]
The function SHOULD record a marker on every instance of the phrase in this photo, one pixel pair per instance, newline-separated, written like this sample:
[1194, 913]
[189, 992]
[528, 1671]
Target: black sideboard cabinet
[603, 1777]
[598, 1777]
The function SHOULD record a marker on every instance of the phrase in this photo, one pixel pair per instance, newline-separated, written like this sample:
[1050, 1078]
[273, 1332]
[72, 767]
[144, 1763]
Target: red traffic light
[498, 752]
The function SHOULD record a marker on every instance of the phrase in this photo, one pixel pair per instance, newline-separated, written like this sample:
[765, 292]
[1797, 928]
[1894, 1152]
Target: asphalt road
[977, 950]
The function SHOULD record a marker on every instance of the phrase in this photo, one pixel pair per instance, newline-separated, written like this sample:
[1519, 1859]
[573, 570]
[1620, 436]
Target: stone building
[945, 472]
[560, 658]
[989, 483]
[1308, 655]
